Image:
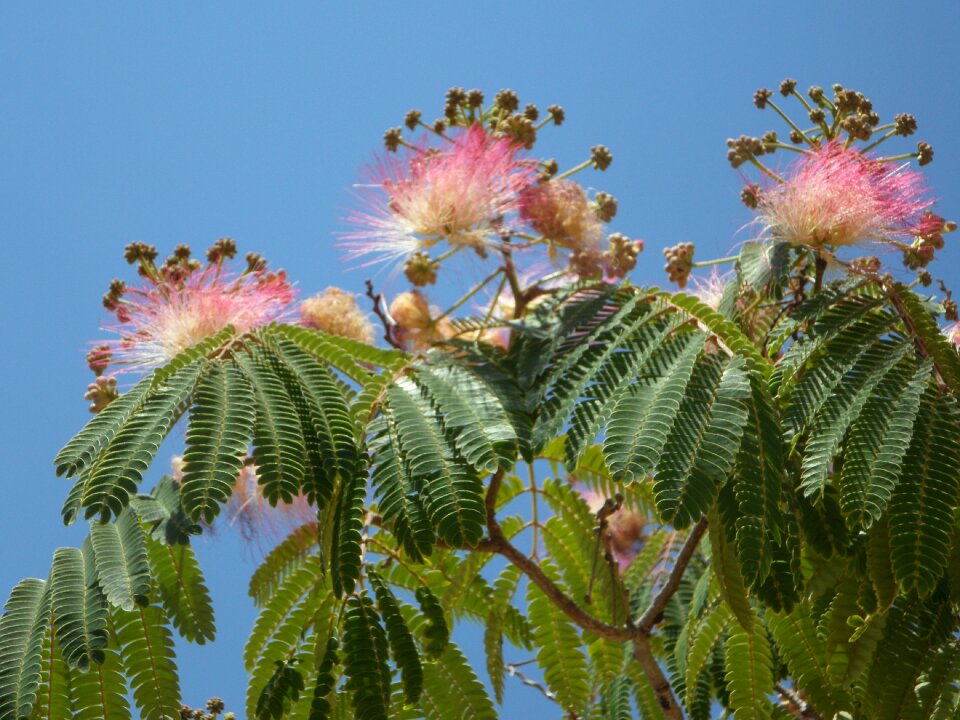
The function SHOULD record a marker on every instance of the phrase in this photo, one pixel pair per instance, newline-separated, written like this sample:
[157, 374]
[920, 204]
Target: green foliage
[146, 652]
[816, 433]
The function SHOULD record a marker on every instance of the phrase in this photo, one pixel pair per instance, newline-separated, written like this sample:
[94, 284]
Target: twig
[654, 613]
[377, 299]
[796, 705]
[637, 634]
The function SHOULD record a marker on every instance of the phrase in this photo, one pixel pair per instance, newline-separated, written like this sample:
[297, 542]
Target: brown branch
[794, 704]
[654, 613]
[658, 681]
[638, 634]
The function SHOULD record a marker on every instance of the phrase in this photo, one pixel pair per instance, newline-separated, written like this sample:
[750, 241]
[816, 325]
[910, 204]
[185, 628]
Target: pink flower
[709, 290]
[247, 508]
[839, 196]
[953, 333]
[459, 193]
[257, 518]
[173, 311]
[561, 211]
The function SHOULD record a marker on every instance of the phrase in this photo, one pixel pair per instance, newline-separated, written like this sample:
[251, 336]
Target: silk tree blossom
[174, 310]
[459, 194]
[952, 333]
[336, 312]
[710, 290]
[256, 518]
[838, 196]
[250, 511]
[561, 212]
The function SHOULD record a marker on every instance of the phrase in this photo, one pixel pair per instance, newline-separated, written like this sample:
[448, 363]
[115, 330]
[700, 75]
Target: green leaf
[558, 655]
[942, 352]
[183, 593]
[879, 439]
[281, 561]
[79, 610]
[805, 655]
[451, 687]
[278, 445]
[841, 408]
[749, 674]
[326, 680]
[402, 647]
[757, 486]
[56, 679]
[327, 421]
[436, 633]
[221, 419]
[924, 502]
[114, 477]
[25, 623]
[707, 637]
[639, 429]
[85, 447]
[452, 493]
[296, 589]
[148, 660]
[365, 660]
[725, 331]
[284, 686]
[120, 558]
[348, 356]
[348, 530]
[471, 415]
[398, 491]
[161, 512]
[101, 692]
[763, 263]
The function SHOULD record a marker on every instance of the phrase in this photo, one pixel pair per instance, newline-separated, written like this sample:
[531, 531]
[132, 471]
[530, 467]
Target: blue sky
[184, 122]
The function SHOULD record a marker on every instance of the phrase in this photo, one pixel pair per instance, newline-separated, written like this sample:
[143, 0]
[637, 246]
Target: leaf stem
[718, 261]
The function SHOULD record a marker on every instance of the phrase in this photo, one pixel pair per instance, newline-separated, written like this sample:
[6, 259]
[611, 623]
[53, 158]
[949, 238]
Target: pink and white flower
[459, 194]
[952, 333]
[173, 311]
[838, 196]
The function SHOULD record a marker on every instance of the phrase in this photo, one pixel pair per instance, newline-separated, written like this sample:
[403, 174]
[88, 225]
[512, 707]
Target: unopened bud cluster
[679, 263]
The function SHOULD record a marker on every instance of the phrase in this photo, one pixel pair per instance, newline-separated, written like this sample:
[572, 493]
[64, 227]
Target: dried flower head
[561, 211]
[625, 528]
[415, 323]
[458, 193]
[336, 312]
[180, 305]
[838, 196]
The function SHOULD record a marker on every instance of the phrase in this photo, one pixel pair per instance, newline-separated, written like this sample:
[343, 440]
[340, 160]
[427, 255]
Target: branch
[654, 613]
[794, 704]
[638, 635]
[658, 681]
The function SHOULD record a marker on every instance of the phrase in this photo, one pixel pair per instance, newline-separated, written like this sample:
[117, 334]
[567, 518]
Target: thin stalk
[718, 261]
[534, 504]
[575, 169]
[766, 171]
[473, 291]
[897, 158]
[788, 121]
